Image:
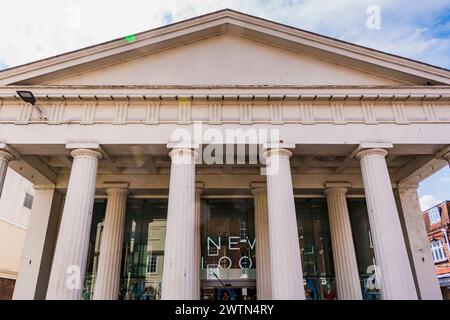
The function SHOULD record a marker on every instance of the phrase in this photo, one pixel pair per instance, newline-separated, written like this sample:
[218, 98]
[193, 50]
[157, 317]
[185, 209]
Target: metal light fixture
[28, 97]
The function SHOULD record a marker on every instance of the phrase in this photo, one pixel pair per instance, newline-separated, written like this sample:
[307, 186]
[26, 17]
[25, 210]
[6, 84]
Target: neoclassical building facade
[225, 157]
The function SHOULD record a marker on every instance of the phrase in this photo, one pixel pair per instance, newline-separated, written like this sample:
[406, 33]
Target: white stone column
[198, 225]
[108, 271]
[348, 286]
[40, 238]
[5, 158]
[420, 248]
[286, 266]
[178, 281]
[69, 262]
[263, 273]
[390, 251]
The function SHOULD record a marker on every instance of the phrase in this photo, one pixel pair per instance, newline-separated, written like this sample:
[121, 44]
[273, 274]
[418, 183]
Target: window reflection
[228, 262]
[98, 215]
[365, 254]
[142, 252]
[315, 248]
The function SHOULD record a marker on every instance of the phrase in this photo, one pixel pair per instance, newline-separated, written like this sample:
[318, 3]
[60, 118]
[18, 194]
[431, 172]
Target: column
[286, 266]
[420, 248]
[108, 271]
[198, 223]
[5, 158]
[178, 281]
[346, 268]
[40, 239]
[390, 251]
[69, 261]
[263, 274]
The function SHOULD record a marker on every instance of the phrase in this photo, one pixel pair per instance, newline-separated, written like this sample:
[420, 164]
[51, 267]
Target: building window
[435, 215]
[437, 249]
[28, 202]
[153, 264]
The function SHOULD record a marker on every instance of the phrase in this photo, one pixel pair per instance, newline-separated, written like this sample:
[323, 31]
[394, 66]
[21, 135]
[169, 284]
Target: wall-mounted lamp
[28, 97]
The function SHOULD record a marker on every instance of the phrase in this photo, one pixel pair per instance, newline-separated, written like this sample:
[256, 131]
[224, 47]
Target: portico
[310, 191]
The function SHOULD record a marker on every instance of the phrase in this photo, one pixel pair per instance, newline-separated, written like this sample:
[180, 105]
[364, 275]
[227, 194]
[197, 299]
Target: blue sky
[435, 189]
[417, 29]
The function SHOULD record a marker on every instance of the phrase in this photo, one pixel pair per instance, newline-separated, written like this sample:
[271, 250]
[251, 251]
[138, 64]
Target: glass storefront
[365, 254]
[315, 247]
[142, 251]
[98, 215]
[228, 249]
[228, 262]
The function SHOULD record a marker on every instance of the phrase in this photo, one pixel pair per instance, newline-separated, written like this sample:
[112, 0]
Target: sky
[417, 29]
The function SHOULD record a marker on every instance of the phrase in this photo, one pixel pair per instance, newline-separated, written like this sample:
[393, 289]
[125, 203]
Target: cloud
[37, 29]
[428, 201]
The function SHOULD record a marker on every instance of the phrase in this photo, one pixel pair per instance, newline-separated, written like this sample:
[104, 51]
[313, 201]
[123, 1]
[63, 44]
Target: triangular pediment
[225, 48]
[226, 60]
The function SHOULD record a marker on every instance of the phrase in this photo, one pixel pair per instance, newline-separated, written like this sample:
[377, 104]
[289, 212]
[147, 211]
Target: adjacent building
[15, 206]
[437, 223]
[225, 157]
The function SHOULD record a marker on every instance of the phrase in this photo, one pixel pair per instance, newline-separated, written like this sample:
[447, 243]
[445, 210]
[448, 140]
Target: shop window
[142, 250]
[364, 249]
[315, 249]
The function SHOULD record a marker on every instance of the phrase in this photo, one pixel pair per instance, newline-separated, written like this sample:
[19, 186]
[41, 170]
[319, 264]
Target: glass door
[228, 261]
[231, 290]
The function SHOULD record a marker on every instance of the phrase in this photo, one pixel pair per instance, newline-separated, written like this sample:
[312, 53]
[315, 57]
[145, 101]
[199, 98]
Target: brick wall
[6, 288]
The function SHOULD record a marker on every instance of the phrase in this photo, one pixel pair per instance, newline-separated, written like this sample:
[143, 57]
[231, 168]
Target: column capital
[277, 152]
[336, 187]
[86, 152]
[258, 187]
[111, 191]
[183, 152]
[371, 152]
[199, 186]
[6, 155]
[277, 149]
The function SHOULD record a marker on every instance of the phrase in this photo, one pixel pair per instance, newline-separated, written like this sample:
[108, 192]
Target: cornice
[228, 93]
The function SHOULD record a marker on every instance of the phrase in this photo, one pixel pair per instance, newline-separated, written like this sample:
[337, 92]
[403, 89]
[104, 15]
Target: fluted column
[418, 241]
[286, 266]
[178, 281]
[390, 251]
[346, 268]
[5, 158]
[197, 258]
[69, 261]
[263, 274]
[108, 272]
